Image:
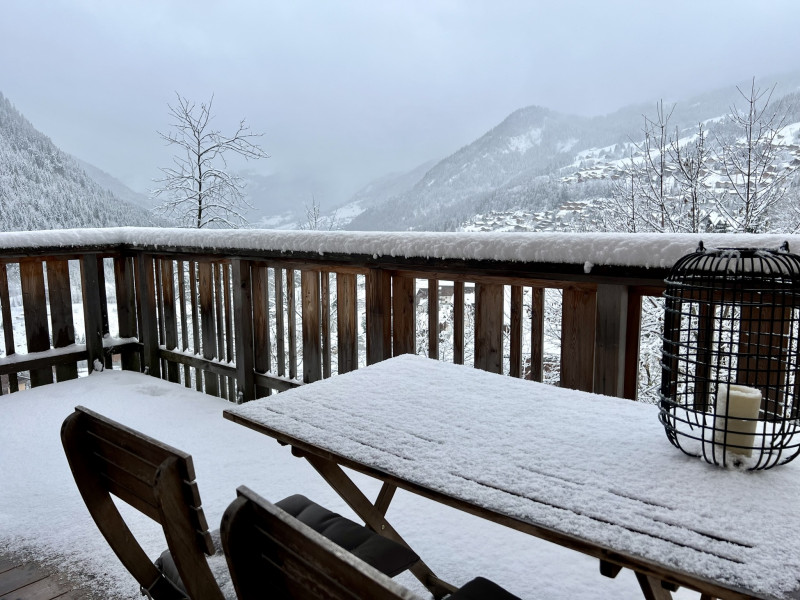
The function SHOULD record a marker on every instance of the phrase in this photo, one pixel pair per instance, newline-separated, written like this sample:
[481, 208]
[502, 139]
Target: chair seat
[388, 556]
[481, 588]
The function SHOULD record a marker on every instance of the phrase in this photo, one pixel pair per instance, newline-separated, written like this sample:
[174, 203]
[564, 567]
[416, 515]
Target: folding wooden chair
[264, 545]
[108, 459]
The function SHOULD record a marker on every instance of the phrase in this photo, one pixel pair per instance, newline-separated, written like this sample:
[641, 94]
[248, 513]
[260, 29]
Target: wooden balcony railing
[239, 314]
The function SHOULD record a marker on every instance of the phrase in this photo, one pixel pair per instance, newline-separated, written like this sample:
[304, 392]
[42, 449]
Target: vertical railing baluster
[243, 321]
[489, 327]
[146, 290]
[37, 333]
[262, 348]
[126, 309]
[170, 326]
[60, 296]
[433, 318]
[403, 316]
[207, 322]
[8, 325]
[219, 301]
[292, 322]
[310, 307]
[197, 339]
[187, 371]
[279, 324]
[325, 297]
[515, 334]
[347, 322]
[230, 333]
[578, 318]
[92, 311]
[458, 322]
[536, 372]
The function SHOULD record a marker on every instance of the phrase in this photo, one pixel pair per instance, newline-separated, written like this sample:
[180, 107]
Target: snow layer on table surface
[620, 249]
[41, 511]
[597, 458]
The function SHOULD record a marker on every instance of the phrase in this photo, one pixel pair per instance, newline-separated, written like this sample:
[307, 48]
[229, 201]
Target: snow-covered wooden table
[588, 472]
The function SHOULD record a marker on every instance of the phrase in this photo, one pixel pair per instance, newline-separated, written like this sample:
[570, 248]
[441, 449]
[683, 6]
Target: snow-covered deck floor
[41, 512]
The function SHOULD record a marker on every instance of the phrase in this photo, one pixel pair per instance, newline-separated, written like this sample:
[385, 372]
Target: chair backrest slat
[108, 458]
[266, 546]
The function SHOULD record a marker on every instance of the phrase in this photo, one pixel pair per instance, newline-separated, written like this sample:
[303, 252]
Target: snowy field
[41, 512]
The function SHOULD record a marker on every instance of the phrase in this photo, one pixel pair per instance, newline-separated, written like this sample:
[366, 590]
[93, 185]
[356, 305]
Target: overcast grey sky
[346, 91]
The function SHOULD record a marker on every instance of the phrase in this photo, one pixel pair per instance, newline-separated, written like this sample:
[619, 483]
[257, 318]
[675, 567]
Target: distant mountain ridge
[42, 187]
[523, 163]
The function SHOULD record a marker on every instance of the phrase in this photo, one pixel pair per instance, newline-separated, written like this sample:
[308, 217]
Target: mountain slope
[42, 187]
[523, 161]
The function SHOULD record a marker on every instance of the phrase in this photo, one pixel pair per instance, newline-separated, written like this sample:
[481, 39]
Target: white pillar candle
[735, 403]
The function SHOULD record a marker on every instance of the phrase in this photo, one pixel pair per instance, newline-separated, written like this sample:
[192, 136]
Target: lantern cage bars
[732, 318]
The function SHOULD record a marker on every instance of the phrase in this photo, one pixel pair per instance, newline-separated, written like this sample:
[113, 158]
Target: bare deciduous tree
[748, 157]
[198, 190]
[691, 162]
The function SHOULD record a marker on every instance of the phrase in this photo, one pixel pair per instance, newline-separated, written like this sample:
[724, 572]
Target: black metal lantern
[730, 381]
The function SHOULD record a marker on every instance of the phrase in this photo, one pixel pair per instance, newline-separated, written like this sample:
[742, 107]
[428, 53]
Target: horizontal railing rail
[240, 314]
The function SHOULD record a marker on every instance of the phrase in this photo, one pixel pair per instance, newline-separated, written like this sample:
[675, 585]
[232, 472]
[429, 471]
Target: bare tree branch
[198, 190]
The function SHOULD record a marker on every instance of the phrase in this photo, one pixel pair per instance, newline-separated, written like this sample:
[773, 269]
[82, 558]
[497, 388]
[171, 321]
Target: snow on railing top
[649, 250]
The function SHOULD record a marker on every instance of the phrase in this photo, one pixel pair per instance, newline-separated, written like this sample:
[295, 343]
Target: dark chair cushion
[481, 588]
[386, 555]
[166, 564]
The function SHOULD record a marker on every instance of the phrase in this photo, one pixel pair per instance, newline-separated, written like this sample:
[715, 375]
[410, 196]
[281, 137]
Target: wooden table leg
[651, 588]
[374, 517]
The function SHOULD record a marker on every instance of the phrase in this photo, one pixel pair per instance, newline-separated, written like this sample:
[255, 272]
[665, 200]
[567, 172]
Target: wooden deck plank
[26, 580]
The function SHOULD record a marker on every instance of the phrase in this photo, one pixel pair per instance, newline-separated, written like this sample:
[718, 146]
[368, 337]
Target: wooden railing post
[610, 340]
[310, 311]
[403, 317]
[92, 310]
[379, 318]
[243, 326]
[578, 317]
[489, 327]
